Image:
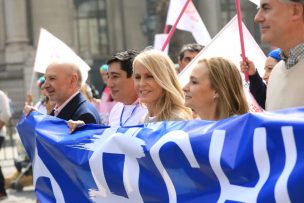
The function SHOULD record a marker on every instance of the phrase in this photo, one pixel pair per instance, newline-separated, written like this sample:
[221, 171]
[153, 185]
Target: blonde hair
[226, 80]
[161, 67]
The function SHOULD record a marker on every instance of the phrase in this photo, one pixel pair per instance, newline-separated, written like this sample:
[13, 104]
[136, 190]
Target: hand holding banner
[236, 159]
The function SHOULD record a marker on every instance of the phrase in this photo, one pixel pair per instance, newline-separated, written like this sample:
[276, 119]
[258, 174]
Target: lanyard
[133, 110]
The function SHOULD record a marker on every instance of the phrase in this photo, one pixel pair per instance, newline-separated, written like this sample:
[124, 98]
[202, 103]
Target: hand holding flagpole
[239, 17]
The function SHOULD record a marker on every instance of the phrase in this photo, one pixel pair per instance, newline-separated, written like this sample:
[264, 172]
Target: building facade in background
[95, 29]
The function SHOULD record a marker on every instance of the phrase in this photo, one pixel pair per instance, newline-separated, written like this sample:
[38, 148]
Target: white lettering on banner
[250, 194]
[228, 191]
[117, 143]
[281, 191]
[129, 145]
[180, 138]
[40, 170]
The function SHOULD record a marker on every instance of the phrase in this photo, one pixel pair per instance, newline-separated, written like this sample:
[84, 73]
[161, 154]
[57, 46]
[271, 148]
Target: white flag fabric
[227, 44]
[190, 20]
[257, 2]
[159, 40]
[51, 49]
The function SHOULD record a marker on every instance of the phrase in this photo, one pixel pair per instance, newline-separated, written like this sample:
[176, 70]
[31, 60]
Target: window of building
[91, 28]
[228, 10]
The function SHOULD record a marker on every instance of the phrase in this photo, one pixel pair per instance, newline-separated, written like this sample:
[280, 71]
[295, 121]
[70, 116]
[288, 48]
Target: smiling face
[199, 94]
[148, 90]
[122, 87]
[60, 83]
[274, 18]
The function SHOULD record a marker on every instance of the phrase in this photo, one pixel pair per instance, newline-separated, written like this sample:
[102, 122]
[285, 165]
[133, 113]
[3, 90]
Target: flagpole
[29, 94]
[239, 17]
[32, 81]
[172, 30]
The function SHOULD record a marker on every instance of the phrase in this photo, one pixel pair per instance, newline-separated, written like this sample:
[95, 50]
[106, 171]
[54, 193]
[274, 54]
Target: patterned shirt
[295, 54]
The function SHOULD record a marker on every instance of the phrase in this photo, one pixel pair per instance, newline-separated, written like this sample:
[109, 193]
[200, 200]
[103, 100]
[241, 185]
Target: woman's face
[199, 95]
[149, 92]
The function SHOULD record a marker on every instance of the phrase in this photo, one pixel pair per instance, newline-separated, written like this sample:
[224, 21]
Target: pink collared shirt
[58, 109]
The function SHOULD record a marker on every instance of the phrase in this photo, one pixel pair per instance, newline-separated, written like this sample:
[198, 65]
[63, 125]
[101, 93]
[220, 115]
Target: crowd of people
[145, 87]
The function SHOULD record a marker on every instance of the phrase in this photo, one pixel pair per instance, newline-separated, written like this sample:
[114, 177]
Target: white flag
[159, 41]
[51, 49]
[227, 44]
[257, 2]
[190, 20]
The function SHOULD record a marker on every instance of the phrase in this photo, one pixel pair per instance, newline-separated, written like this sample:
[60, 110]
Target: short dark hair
[125, 58]
[189, 47]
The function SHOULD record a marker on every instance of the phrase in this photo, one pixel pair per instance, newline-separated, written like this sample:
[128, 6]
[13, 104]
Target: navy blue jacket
[80, 109]
[258, 89]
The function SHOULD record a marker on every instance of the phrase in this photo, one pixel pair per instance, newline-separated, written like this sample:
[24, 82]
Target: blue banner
[256, 157]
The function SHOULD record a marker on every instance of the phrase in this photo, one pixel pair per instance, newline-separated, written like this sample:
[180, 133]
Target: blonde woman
[156, 83]
[215, 90]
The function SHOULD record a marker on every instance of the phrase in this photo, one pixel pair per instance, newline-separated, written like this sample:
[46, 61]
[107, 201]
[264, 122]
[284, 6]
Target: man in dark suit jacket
[79, 109]
[62, 85]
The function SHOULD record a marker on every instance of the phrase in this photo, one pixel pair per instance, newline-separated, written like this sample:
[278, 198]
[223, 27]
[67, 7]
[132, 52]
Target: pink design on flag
[190, 21]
